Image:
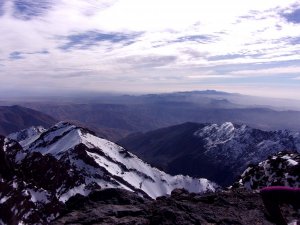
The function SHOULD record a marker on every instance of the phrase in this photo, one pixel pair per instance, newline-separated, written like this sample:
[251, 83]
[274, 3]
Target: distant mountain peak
[215, 133]
[213, 92]
[219, 152]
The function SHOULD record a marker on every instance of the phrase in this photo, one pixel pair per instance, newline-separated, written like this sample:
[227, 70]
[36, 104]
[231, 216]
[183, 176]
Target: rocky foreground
[117, 206]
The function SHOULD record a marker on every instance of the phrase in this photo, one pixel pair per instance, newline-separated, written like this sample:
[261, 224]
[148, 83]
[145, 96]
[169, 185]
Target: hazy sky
[55, 46]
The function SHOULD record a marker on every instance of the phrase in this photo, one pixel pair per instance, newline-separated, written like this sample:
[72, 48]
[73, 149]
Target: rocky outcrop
[6, 168]
[281, 169]
[26, 195]
[116, 206]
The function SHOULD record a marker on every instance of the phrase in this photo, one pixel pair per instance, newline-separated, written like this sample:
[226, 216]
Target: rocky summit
[281, 169]
[116, 206]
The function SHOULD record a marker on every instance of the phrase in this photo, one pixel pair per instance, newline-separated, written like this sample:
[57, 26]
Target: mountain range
[66, 174]
[218, 152]
[116, 116]
[15, 118]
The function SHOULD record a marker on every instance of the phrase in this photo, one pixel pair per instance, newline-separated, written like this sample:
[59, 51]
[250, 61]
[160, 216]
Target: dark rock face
[49, 173]
[29, 188]
[6, 168]
[26, 192]
[123, 207]
[217, 152]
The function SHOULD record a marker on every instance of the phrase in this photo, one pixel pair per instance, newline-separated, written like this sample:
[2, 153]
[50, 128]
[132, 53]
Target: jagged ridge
[65, 160]
[218, 152]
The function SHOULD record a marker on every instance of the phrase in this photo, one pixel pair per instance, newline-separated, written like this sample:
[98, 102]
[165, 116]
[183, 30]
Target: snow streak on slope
[26, 136]
[137, 173]
[104, 164]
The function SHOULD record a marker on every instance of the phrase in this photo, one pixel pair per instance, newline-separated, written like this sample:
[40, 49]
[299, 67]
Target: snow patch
[4, 199]
[76, 190]
[39, 196]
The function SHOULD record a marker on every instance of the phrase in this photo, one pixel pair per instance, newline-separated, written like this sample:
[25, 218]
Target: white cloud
[164, 43]
[210, 76]
[270, 71]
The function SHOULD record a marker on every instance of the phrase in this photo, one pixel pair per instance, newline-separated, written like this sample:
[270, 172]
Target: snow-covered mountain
[245, 144]
[219, 152]
[281, 169]
[104, 163]
[53, 165]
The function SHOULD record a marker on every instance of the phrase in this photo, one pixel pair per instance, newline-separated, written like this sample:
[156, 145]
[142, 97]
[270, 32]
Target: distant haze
[277, 103]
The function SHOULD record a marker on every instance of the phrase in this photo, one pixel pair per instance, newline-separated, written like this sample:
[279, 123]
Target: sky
[52, 47]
